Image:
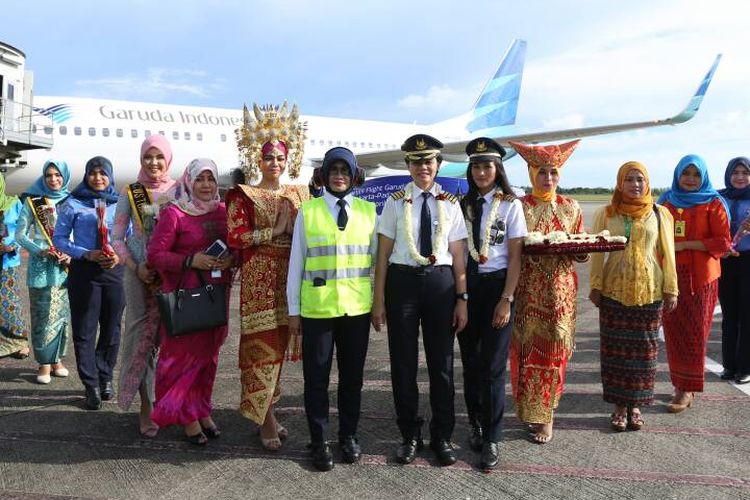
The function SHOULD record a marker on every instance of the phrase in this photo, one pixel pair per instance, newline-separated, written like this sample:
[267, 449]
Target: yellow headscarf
[637, 208]
[536, 157]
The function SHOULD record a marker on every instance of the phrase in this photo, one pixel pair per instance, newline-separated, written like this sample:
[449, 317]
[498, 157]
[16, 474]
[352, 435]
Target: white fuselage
[116, 129]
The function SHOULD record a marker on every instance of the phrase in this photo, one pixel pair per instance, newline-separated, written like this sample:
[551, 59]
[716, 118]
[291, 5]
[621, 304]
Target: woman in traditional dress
[630, 289]
[545, 324]
[734, 284]
[95, 277]
[701, 237]
[261, 220]
[187, 365]
[14, 332]
[495, 220]
[134, 221]
[47, 270]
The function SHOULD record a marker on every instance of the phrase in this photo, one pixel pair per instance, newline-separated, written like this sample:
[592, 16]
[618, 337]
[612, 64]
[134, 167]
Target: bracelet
[256, 237]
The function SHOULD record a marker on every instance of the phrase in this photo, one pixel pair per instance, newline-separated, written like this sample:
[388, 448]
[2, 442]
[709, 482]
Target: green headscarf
[5, 201]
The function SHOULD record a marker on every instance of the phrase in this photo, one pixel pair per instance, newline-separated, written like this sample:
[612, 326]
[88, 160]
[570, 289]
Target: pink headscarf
[184, 198]
[164, 183]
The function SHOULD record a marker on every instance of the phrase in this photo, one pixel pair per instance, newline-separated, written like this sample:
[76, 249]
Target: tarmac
[50, 447]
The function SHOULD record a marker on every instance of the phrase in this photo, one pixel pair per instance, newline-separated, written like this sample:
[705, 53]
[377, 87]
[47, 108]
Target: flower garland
[409, 228]
[482, 256]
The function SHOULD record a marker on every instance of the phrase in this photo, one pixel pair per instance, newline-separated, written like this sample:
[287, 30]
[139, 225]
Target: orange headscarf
[623, 204]
[536, 157]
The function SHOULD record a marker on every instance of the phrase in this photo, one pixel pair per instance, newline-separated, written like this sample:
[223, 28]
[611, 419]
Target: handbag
[189, 310]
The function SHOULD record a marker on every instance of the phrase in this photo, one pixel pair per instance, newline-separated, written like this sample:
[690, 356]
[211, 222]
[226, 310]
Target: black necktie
[343, 216]
[473, 266]
[425, 228]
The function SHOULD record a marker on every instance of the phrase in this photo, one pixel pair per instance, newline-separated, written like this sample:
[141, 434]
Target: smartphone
[217, 249]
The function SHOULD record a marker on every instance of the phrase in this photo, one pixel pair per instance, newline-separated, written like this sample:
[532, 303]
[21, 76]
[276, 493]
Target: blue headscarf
[705, 193]
[731, 192]
[83, 191]
[40, 188]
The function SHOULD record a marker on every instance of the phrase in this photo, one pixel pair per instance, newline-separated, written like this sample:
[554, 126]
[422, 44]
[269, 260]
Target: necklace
[482, 256]
[408, 227]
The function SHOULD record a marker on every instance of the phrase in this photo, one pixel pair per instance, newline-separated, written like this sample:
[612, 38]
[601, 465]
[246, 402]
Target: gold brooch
[420, 145]
[481, 147]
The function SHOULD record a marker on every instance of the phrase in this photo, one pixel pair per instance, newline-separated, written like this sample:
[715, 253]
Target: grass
[591, 197]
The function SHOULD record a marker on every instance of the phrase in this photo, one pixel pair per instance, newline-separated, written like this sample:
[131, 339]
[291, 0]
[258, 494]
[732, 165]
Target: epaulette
[397, 195]
[450, 197]
[509, 197]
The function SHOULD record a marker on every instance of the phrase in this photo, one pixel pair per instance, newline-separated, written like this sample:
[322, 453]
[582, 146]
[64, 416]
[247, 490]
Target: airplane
[85, 127]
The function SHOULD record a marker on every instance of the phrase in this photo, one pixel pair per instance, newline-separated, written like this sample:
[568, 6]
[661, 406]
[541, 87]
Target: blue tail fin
[498, 102]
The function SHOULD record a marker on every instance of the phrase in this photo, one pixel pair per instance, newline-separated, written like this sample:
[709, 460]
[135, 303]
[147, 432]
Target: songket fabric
[545, 321]
[264, 340]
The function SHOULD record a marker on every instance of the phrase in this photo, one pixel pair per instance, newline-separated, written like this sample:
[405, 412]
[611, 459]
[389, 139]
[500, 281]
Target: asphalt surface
[50, 447]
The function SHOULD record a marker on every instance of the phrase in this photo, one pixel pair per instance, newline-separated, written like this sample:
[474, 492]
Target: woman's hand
[377, 316]
[295, 325]
[107, 261]
[501, 316]
[204, 262]
[225, 262]
[595, 297]
[460, 315]
[145, 274]
[282, 220]
[670, 302]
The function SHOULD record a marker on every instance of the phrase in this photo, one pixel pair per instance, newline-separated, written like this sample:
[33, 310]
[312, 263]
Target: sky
[588, 62]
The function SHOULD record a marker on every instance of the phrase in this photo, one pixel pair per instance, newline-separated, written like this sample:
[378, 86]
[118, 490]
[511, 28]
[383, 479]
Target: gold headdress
[270, 124]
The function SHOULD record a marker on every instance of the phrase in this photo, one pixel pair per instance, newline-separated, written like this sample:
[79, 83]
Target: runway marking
[301, 456]
[717, 368]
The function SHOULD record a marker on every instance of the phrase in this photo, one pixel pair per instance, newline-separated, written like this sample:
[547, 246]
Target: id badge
[679, 228]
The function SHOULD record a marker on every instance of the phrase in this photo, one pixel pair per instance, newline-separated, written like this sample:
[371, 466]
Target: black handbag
[186, 311]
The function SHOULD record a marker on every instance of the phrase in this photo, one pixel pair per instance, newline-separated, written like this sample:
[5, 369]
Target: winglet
[695, 102]
[498, 102]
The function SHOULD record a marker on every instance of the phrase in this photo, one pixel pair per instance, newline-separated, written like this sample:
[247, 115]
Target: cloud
[156, 84]
[437, 95]
[573, 120]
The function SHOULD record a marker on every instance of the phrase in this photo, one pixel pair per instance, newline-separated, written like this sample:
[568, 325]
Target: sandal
[212, 432]
[199, 439]
[281, 431]
[271, 444]
[540, 437]
[618, 422]
[21, 353]
[635, 420]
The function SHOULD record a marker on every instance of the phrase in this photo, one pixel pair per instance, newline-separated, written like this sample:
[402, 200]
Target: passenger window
[199, 136]
[146, 133]
[187, 136]
[118, 132]
[63, 130]
[92, 131]
[223, 137]
[77, 130]
[133, 133]
[175, 135]
[105, 132]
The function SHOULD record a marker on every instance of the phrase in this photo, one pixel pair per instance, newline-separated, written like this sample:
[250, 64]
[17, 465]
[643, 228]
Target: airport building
[21, 128]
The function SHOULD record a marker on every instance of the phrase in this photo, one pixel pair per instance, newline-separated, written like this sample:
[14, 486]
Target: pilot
[333, 249]
[420, 279]
[496, 225]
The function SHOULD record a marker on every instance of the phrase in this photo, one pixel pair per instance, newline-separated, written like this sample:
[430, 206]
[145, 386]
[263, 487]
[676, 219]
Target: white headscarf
[184, 198]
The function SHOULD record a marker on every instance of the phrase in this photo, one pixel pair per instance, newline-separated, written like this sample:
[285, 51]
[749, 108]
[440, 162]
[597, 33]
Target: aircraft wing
[454, 151]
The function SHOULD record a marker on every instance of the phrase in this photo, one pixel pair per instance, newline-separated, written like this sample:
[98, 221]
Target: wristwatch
[509, 298]
[462, 296]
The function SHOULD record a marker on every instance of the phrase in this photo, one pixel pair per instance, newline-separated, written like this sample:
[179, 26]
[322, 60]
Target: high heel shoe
[199, 439]
[682, 404]
[635, 420]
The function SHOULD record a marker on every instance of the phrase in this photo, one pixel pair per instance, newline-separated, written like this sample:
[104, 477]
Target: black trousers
[484, 354]
[734, 297]
[426, 299]
[97, 298]
[351, 335]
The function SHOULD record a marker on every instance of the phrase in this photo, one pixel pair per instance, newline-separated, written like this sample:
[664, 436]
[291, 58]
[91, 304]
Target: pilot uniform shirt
[391, 224]
[509, 223]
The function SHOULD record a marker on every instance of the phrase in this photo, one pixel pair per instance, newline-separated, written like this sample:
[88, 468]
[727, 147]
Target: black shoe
[490, 456]
[199, 439]
[350, 449]
[443, 451]
[475, 440]
[93, 399]
[407, 452]
[212, 432]
[727, 375]
[742, 379]
[321, 455]
[107, 391]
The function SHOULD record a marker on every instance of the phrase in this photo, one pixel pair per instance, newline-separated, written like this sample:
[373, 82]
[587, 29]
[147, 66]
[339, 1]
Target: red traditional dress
[545, 322]
[252, 213]
[686, 328]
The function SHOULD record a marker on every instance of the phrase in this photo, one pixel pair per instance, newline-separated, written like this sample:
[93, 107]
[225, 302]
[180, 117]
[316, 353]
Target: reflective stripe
[338, 274]
[331, 250]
